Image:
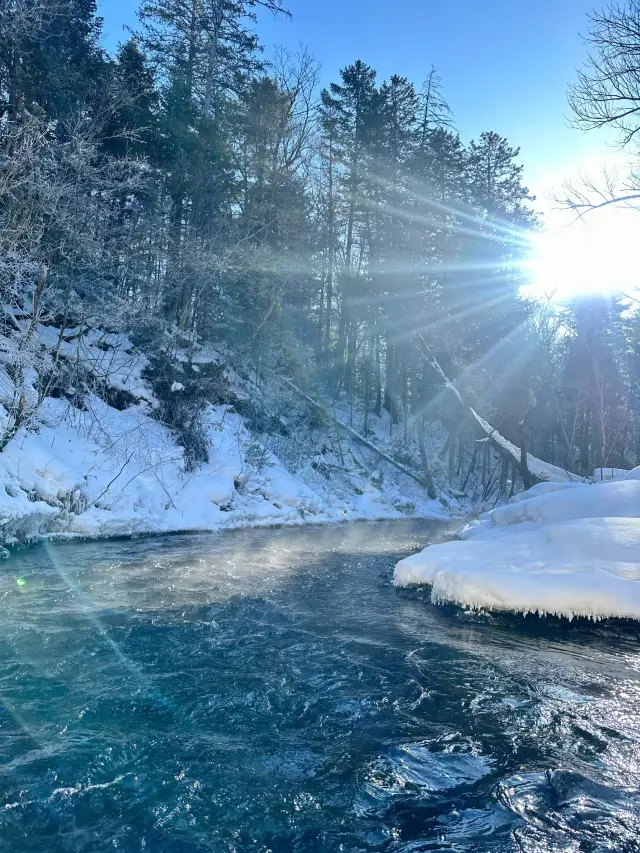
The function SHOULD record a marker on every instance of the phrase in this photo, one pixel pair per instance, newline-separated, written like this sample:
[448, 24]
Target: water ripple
[270, 691]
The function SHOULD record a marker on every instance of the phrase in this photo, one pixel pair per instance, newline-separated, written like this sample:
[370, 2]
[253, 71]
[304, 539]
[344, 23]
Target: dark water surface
[271, 691]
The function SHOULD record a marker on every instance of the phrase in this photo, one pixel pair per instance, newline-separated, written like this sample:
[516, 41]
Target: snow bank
[571, 551]
[102, 464]
[104, 472]
[615, 498]
[107, 472]
[544, 489]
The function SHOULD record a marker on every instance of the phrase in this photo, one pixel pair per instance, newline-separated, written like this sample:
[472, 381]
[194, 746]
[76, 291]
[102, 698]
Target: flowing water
[271, 691]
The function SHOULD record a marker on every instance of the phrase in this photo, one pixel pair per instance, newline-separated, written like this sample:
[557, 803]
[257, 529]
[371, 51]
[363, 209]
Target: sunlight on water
[271, 691]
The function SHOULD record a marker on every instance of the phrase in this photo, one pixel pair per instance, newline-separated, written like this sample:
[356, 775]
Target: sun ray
[468, 371]
[86, 607]
[505, 227]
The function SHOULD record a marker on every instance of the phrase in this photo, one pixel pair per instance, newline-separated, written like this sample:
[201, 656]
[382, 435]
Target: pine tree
[330, 154]
[132, 128]
[495, 180]
[354, 102]
[396, 281]
[51, 59]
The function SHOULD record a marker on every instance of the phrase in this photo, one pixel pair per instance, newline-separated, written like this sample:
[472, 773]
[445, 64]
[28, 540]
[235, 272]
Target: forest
[189, 193]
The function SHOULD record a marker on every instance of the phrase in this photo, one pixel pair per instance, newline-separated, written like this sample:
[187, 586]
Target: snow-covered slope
[567, 549]
[101, 450]
[104, 472]
[97, 460]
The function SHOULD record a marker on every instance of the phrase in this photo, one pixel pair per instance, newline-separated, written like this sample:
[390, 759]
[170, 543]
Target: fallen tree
[426, 482]
[532, 469]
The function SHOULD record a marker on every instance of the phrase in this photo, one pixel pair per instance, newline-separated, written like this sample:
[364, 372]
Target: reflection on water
[271, 691]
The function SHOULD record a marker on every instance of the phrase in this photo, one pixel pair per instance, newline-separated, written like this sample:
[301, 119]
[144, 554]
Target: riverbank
[103, 472]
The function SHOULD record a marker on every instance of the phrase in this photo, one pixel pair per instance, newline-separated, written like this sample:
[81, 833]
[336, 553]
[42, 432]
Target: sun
[597, 254]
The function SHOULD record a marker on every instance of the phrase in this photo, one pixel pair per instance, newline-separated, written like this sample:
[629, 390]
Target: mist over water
[271, 691]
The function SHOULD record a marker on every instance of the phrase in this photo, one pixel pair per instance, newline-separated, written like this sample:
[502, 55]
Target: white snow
[572, 551]
[610, 473]
[105, 472]
[544, 489]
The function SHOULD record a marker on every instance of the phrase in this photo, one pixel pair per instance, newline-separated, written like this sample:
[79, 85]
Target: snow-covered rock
[571, 551]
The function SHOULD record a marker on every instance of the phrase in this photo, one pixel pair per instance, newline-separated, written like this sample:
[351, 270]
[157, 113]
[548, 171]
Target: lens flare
[597, 254]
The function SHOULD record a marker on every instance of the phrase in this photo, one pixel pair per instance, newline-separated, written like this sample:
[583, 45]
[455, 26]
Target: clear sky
[505, 64]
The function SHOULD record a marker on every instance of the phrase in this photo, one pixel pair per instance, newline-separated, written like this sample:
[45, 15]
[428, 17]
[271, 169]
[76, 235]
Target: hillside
[97, 458]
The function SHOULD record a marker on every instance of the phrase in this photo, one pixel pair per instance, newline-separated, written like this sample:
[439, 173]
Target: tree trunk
[428, 478]
[391, 386]
[452, 457]
[331, 259]
[378, 379]
[504, 475]
[367, 388]
[339, 360]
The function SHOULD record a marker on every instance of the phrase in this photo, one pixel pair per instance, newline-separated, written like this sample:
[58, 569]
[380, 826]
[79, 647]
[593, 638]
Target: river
[270, 690]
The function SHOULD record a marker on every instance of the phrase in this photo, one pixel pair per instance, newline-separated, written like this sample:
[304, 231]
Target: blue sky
[505, 64]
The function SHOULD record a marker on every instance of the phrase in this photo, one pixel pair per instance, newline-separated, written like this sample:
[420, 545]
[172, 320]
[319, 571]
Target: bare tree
[56, 197]
[607, 91]
[587, 193]
[607, 94]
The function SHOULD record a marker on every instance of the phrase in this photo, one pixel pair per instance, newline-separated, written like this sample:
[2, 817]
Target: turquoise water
[271, 691]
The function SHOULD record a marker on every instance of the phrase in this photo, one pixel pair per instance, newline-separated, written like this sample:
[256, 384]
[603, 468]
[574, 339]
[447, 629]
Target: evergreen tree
[132, 127]
[354, 102]
[51, 59]
[495, 180]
